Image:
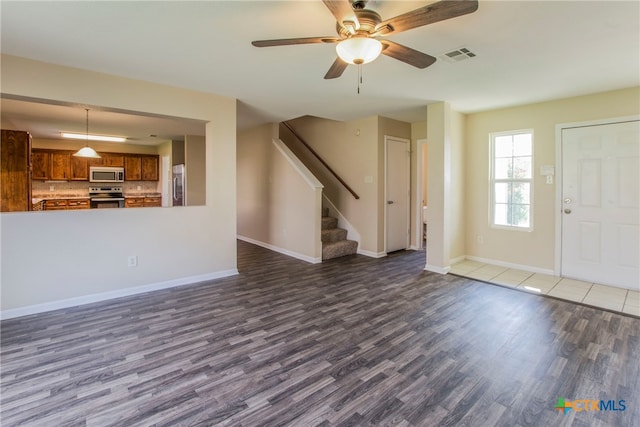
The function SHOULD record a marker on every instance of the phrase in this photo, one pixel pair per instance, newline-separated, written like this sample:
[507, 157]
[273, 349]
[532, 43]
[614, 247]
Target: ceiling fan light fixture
[359, 50]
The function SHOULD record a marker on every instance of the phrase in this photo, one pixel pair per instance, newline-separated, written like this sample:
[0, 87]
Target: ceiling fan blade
[302, 40]
[434, 12]
[341, 10]
[336, 70]
[406, 54]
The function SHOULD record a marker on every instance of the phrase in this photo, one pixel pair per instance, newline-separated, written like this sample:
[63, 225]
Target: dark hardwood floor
[352, 341]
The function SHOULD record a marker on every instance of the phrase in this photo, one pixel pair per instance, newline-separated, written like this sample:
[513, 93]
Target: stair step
[329, 222]
[339, 249]
[333, 235]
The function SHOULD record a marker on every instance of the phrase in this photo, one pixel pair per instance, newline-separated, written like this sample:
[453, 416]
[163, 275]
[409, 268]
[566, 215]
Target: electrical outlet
[132, 261]
[52, 188]
[480, 239]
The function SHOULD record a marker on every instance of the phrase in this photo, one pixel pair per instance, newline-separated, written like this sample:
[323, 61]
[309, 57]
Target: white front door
[600, 204]
[397, 194]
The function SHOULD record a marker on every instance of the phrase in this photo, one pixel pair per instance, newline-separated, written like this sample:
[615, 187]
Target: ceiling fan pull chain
[359, 77]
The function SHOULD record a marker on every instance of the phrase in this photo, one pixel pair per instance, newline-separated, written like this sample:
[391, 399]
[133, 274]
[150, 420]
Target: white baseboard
[436, 269]
[104, 296]
[280, 250]
[510, 265]
[457, 259]
[372, 254]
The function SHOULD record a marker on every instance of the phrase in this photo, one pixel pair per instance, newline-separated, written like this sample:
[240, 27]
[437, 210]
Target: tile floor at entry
[609, 297]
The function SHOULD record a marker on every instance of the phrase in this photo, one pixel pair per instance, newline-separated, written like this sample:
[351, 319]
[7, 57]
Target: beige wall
[457, 164]
[195, 170]
[418, 132]
[535, 248]
[173, 246]
[279, 204]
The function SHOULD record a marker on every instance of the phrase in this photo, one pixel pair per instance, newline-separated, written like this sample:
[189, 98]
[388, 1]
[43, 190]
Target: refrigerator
[179, 189]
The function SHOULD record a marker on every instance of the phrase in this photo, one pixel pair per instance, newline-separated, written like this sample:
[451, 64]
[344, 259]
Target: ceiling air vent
[457, 55]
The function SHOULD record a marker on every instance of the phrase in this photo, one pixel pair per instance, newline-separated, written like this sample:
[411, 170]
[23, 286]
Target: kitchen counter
[133, 195]
[57, 197]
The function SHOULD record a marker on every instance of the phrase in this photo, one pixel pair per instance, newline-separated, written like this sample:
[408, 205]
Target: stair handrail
[317, 156]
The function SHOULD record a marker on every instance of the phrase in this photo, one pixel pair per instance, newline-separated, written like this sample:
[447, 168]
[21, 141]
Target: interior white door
[600, 204]
[397, 194]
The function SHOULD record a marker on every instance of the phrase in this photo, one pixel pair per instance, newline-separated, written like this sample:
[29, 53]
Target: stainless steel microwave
[106, 174]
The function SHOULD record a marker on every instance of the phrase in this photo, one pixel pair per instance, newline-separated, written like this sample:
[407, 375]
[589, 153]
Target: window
[511, 179]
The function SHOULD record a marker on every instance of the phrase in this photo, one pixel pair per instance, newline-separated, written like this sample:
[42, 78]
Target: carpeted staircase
[334, 239]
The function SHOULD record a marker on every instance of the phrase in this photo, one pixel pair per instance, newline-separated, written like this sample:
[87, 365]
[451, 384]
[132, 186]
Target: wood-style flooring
[350, 342]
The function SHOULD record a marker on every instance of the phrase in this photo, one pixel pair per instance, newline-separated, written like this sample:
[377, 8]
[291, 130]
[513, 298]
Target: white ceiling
[527, 51]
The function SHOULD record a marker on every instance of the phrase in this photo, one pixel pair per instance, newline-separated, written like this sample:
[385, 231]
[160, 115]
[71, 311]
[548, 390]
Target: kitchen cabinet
[141, 167]
[66, 204]
[15, 180]
[134, 202]
[132, 168]
[40, 164]
[150, 166]
[113, 160]
[79, 168]
[60, 165]
[63, 166]
[152, 202]
[78, 204]
[108, 159]
[55, 205]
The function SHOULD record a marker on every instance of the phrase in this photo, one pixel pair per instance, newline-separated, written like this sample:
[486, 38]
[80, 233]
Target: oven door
[107, 202]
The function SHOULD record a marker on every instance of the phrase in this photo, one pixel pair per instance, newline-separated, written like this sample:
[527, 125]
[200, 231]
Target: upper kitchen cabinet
[41, 164]
[150, 165]
[60, 166]
[132, 168]
[79, 168]
[113, 160]
[108, 159]
[141, 167]
[15, 182]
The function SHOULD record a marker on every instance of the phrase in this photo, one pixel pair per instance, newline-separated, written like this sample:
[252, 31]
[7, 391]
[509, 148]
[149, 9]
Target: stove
[106, 197]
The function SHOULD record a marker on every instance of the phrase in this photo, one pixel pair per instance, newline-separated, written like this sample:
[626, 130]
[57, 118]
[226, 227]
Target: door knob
[389, 202]
[567, 211]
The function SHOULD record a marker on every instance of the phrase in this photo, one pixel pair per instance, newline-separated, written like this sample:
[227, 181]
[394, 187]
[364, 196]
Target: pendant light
[87, 151]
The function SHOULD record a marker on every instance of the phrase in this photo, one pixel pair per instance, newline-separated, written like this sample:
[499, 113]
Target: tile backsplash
[42, 189]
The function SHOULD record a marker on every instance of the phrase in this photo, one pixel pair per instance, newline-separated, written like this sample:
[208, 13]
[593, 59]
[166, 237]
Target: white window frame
[493, 181]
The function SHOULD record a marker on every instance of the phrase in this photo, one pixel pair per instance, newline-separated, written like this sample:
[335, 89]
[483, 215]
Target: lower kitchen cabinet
[55, 205]
[152, 202]
[134, 202]
[66, 204]
[143, 202]
[78, 204]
